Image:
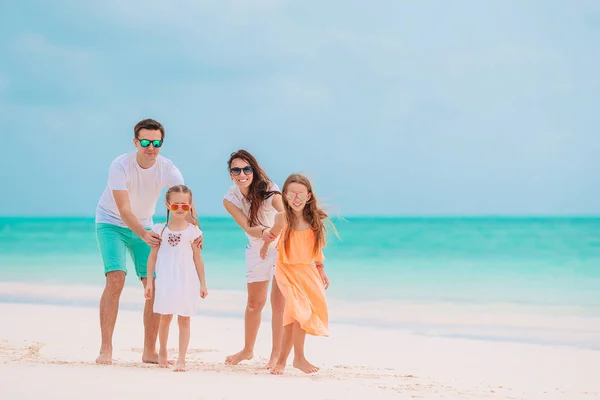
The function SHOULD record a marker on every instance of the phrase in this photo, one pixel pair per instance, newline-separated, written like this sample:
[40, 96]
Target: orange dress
[300, 282]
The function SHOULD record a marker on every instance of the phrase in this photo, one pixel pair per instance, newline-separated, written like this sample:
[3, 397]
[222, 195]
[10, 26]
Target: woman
[253, 202]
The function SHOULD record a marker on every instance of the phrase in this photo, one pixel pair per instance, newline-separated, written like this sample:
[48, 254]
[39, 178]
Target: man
[123, 221]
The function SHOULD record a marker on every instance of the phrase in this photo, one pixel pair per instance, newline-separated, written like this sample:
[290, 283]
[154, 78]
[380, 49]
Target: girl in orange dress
[299, 271]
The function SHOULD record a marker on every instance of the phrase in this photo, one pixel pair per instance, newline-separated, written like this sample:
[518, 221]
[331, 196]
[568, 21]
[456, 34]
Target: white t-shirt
[266, 214]
[143, 185]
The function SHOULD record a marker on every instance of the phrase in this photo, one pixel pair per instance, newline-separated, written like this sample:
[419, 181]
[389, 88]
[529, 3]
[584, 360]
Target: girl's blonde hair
[312, 213]
[177, 189]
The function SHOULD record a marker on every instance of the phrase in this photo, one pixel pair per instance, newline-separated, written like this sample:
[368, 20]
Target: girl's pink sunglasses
[292, 195]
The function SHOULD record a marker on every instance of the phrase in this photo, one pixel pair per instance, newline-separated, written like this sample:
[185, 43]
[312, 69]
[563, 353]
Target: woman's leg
[163, 337]
[184, 341]
[257, 297]
[277, 306]
[300, 360]
[286, 348]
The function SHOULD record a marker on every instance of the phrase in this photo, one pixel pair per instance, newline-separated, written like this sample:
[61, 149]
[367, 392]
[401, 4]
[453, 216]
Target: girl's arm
[242, 220]
[199, 262]
[148, 291]
[274, 232]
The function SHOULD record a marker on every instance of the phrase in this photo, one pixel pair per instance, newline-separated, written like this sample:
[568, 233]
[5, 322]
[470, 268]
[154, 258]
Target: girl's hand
[263, 251]
[268, 237]
[148, 292]
[324, 278]
[203, 292]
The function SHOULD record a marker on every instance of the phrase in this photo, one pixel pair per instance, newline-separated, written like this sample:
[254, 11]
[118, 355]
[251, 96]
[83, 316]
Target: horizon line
[349, 216]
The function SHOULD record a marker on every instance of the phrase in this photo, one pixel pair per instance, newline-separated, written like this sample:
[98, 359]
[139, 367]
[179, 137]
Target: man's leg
[111, 242]
[109, 308]
[151, 322]
[140, 251]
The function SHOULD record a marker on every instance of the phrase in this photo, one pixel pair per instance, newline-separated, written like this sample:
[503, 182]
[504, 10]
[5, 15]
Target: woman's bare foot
[163, 360]
[277, 369]
[236, 358]
[180, 366]
[105, 357]
[272, 361]
[303, 365]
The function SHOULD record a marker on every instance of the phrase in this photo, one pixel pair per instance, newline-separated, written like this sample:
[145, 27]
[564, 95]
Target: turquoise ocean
[520, 279]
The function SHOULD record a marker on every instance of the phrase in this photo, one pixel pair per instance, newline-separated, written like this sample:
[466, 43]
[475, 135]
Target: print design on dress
[174, 239]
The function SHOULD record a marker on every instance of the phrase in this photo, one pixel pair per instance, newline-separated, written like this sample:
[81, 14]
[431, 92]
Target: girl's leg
[163, 337]
[257, 297]
[286, 348]
[300, 360]
[277, 306]
[184, 341]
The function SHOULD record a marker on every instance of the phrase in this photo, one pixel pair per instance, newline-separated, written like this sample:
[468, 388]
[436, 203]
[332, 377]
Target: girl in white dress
[180, 281]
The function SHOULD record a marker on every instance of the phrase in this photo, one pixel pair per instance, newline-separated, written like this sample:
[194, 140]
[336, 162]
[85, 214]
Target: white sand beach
[49, 351]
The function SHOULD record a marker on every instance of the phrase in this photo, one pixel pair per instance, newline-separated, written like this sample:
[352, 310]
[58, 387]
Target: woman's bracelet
[319, 265]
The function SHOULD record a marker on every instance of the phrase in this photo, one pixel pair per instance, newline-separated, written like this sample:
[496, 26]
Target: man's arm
[127, 215]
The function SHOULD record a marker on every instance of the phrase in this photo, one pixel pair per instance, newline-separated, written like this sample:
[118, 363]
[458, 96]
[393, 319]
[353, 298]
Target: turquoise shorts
[114, 243]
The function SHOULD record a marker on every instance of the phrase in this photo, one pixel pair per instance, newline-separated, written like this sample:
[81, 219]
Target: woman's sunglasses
[146, 142]
[236, 171]
[175, 207]
[291, 196]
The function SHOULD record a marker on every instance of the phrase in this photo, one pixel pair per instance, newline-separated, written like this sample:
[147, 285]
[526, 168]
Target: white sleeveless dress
[177, 286]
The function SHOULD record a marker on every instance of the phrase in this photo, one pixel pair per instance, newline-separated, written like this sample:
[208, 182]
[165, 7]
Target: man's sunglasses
[236, 171]
[146, 142]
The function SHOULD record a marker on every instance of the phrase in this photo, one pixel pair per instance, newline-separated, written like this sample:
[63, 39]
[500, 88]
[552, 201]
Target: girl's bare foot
[277, 369]
[163, 360]
[180, 366]
[239, 357]
[303, 365]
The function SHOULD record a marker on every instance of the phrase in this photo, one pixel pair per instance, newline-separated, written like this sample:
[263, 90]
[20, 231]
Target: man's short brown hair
[151, 125]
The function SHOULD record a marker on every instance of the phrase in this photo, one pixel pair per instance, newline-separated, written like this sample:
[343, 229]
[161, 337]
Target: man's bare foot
[303, 365]
[154, 359]
[277, 369]
[105, 357]
[163, 360]
[236, 358]
[180, 366]
[272, 361]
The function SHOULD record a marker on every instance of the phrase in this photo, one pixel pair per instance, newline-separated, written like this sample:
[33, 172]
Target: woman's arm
[242, 220]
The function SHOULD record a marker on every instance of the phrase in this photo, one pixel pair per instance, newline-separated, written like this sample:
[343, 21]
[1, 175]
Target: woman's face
[241, 173]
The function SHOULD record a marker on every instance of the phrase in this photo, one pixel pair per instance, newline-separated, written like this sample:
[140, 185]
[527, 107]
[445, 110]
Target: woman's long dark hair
[259, 188]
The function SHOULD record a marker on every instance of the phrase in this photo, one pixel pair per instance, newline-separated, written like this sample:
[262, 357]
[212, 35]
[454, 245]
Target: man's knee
[115, 281]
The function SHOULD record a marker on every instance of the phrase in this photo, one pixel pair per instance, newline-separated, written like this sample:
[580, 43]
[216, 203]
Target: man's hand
[198, 242]
[151, 238]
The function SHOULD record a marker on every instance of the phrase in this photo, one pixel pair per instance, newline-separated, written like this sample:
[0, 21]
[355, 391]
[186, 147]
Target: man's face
[148, 143]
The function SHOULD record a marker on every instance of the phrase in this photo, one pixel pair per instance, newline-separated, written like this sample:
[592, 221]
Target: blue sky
[401, 108]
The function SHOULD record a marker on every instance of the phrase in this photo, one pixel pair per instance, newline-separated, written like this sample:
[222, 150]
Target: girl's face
[296, 195]
[179, 204]
[241, 173]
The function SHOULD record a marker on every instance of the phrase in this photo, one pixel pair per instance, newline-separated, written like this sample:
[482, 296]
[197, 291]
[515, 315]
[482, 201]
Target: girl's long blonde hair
[312, 213]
